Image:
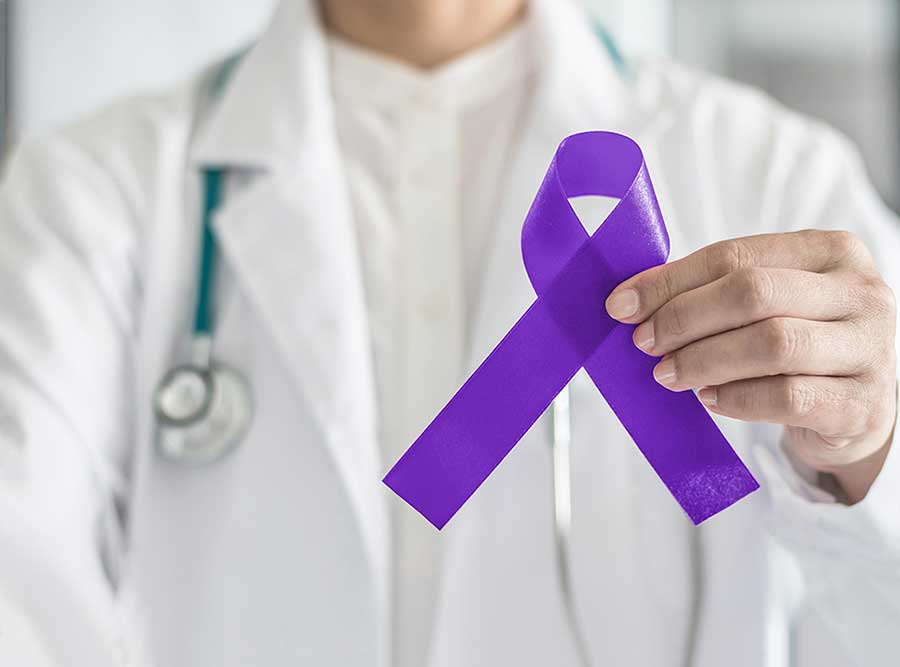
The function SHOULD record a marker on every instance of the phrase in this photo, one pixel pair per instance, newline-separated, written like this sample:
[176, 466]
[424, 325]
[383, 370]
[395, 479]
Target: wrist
[854, 480]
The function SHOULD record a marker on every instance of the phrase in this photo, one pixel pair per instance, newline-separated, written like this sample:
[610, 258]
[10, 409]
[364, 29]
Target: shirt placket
[430, 357]
[433, 263]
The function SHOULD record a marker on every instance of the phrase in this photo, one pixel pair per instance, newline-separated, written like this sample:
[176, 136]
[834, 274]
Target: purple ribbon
[565, 329]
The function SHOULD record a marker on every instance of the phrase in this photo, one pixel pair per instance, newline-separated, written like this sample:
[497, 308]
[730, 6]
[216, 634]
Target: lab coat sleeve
[68, 289]
[849, 555]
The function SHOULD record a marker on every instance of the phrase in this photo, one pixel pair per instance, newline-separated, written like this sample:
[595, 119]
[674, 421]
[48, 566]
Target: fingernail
[708, 396]
[664, 373]
[623, 303]
[643, 336]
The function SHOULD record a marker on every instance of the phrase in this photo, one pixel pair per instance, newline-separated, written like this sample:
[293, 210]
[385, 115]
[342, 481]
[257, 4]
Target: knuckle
[881, 296]
[754, 289]
[859, 290]
[869, 417]
[672, 320]
[665, 287]
[874, 398]
[851, 400]
[742, 397]
[841, 242]
[846, 246]
[726, 257]
[780, 340]
[800, 397]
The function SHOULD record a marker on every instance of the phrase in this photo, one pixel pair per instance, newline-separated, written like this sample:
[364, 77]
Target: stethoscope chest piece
[201, 413]
[203, 408]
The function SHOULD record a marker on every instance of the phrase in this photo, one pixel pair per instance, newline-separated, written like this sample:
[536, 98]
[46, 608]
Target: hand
[795, 329]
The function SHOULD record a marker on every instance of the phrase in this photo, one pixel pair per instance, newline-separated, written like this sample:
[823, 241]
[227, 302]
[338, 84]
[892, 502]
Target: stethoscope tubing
[561, 418]
[213, 427]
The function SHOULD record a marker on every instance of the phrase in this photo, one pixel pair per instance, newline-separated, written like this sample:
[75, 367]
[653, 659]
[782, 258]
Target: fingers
[637, 298]
[827, 405]
[741, 298]
[828, 418]
[795, 329]
[774, 346]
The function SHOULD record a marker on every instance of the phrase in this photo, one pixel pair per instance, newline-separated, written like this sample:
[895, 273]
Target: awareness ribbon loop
[565, 329]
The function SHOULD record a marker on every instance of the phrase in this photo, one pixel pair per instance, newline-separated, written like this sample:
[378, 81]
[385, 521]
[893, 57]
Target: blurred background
[835, 59]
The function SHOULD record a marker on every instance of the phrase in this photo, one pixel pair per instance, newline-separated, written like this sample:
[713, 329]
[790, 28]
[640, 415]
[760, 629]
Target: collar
[365, 77]
[270, 109]
[276, 107]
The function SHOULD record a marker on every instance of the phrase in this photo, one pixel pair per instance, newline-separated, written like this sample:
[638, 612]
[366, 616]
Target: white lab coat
[278, 555]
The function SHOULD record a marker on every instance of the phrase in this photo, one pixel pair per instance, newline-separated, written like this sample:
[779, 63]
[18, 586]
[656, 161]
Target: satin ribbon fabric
[565, 329]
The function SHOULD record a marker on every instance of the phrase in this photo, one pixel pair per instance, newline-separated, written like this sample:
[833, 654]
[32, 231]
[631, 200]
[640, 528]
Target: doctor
[378, 159]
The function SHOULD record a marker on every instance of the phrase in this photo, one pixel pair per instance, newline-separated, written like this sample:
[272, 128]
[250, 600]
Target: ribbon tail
[484, 420]
[672, 429]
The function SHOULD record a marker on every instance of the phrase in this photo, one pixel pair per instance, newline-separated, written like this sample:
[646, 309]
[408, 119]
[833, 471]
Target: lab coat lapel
[289, 238]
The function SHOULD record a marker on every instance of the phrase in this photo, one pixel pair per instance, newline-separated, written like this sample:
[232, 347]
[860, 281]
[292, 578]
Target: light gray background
[70, 57]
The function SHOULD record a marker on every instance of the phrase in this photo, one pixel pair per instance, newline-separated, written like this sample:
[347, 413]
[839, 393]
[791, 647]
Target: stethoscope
[203, 407]
[561, 444]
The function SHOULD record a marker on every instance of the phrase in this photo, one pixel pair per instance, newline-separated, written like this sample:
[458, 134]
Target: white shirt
[424, 153]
